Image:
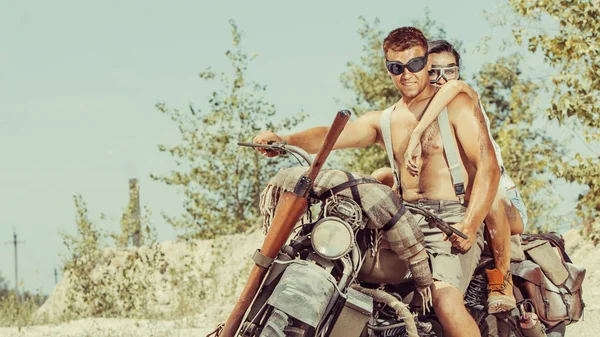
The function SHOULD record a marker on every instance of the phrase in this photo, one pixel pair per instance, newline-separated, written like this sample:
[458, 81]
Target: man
[405, 50]
[507, 214]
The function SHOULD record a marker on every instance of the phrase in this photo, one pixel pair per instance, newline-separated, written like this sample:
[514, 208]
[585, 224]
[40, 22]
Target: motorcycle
[325, 275]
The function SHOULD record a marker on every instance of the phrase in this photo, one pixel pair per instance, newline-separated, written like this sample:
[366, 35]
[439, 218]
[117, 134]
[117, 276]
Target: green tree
[573, 51]
[88, 238]
[3, 287]
[510, 101]
[84, 248]
[129, 224]
[369, 81]
[221, 181]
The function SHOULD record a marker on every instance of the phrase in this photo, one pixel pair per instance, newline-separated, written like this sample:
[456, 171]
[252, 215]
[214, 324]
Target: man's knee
[384, 175]
[445, 298]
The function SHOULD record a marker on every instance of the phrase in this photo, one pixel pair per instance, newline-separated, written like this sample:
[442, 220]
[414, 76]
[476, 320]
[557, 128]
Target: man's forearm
[309, 140]
[485, 187]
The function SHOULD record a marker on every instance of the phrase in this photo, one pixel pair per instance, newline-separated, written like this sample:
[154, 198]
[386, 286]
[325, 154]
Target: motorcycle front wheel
[279, 324]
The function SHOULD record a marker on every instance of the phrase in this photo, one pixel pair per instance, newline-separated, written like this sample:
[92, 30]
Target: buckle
[459, 188]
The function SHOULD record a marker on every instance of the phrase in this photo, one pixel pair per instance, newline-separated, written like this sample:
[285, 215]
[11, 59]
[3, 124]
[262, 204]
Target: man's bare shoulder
[462, 104]
[461, 100]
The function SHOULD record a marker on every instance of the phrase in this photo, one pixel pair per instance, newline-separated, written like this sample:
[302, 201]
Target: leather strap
[262, 260]
[394, 219]
[350, 183]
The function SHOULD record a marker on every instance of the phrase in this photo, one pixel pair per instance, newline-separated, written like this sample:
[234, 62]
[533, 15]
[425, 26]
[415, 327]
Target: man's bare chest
[431, 140]
[404, 122]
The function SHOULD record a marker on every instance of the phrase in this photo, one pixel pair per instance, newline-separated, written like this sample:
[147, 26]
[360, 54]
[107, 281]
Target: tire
[508, 328]
[499, 325]
[436, 327]
[279, 324]
[488, 327]
[557, 331]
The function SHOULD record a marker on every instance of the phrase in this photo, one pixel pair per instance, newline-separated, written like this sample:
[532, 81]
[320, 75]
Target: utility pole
[134, 209]
[55, 276]
[15, 242]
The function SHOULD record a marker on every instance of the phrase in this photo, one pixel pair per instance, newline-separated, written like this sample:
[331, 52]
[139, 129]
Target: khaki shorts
[447, 263]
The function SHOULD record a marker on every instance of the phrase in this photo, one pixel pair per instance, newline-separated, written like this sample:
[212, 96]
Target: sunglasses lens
[417, 64]
[414, 65]
[395, 68]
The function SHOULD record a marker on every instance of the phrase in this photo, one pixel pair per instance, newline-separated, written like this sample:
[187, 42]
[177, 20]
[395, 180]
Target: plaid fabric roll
[379, 204]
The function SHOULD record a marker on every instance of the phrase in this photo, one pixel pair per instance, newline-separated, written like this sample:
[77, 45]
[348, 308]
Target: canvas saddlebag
[550, 280]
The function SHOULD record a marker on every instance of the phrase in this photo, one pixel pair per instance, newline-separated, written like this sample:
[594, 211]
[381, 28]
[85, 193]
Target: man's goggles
[414, 65]
[448, 73]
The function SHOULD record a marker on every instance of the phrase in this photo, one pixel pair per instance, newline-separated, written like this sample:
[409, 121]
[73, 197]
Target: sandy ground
[106, 327]
[582, 253]
[585, 254]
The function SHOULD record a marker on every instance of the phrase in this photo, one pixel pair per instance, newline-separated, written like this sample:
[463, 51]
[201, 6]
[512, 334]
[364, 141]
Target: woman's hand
[413, 154]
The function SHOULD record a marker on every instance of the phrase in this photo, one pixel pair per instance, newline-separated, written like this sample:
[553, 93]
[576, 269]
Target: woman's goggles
[448, 73]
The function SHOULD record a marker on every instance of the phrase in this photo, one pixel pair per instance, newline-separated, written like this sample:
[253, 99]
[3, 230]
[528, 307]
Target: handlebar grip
[271, 147]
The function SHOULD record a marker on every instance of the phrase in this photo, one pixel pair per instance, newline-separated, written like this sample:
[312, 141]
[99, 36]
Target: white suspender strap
[386, 133]
[452, 155]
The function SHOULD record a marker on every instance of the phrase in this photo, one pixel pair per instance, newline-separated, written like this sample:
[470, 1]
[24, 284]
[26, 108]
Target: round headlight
[332, 238]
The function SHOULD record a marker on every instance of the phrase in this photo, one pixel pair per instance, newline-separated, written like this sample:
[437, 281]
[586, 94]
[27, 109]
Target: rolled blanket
[379, 204]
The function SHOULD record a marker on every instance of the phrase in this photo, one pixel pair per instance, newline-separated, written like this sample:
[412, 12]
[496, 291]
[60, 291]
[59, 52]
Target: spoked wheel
[436, 327]
[279, 324]
[497, 325]
[507, 325]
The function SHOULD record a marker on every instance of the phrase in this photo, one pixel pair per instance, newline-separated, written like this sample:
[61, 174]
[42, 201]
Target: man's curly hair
[404, 38]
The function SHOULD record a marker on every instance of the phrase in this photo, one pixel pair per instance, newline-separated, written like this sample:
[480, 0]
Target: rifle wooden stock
[290, 208]
[332, 135]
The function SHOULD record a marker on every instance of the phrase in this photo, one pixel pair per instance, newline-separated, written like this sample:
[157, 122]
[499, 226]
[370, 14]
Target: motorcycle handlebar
[430, 217]
[282, 148]
[294, 150]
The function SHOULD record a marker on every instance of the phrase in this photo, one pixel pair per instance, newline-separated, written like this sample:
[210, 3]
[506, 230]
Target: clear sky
[79, 80]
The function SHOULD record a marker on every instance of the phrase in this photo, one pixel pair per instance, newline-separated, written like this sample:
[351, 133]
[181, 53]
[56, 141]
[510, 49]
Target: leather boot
[500, 291]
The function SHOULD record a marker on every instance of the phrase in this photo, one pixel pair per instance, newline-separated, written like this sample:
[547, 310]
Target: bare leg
[499, 230]
[384, 175]
[454, 317]
[500, 221]
[513, 215]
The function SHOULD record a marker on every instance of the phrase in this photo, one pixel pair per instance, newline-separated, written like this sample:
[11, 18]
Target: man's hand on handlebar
[267, 137]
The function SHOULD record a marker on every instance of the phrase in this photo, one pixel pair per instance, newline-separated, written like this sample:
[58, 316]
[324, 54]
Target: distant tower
[16, 242]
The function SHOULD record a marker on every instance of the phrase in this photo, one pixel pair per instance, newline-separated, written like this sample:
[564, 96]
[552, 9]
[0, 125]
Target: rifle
[292, 206]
